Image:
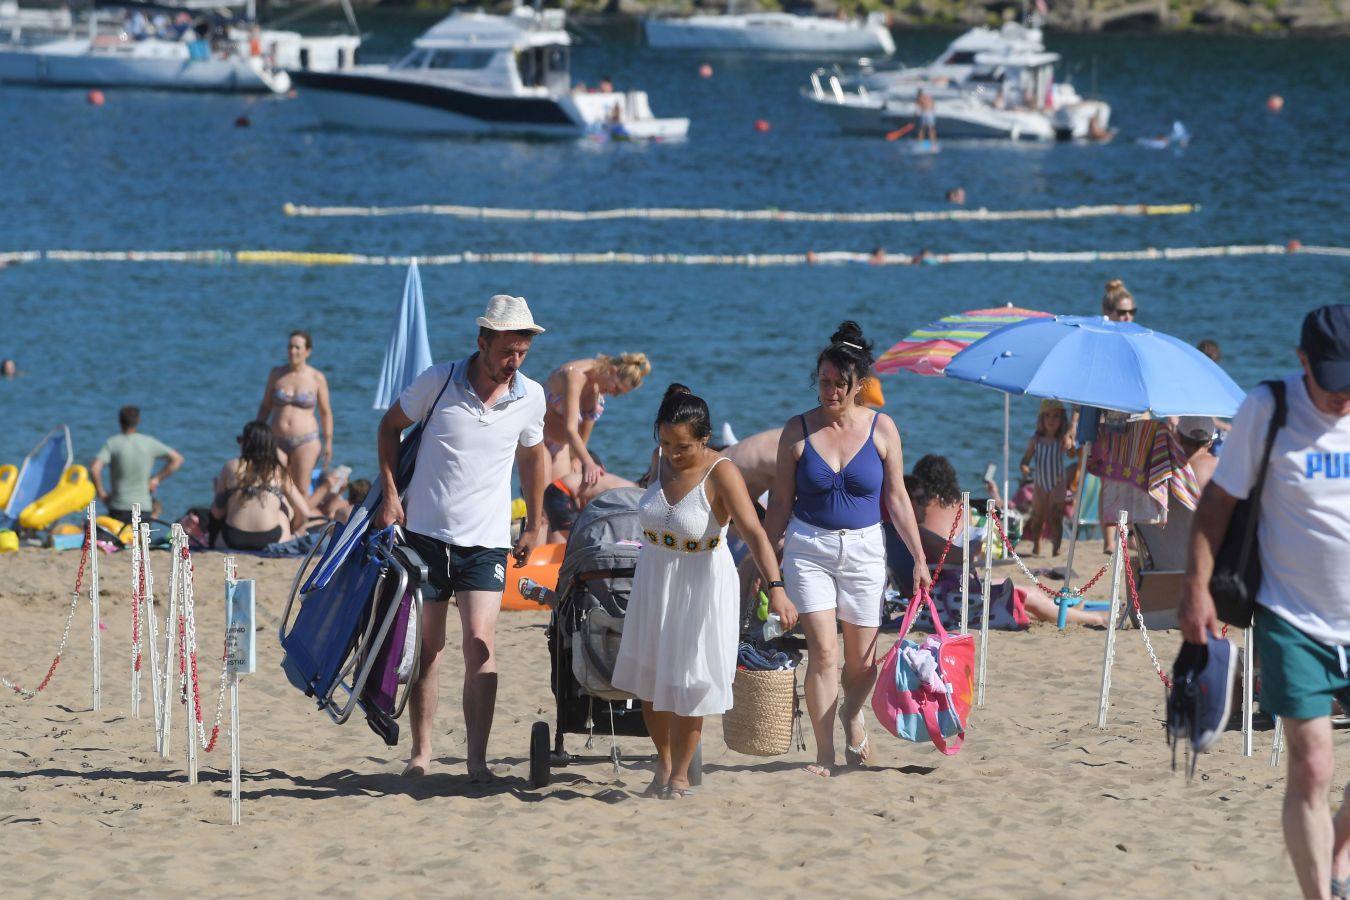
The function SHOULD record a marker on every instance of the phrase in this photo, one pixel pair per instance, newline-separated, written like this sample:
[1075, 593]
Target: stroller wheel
[696, 766]
[539, 773]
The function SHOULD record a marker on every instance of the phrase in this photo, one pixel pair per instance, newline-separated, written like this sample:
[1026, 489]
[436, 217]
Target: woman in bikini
[294, 393]
[576, 393]
[837, 465]
[256, 501]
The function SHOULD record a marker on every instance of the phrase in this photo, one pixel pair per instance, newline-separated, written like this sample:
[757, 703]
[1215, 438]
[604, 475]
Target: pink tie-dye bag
[923, 691]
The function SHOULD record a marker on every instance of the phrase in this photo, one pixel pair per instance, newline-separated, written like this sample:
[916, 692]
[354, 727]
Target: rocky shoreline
[1303, 18]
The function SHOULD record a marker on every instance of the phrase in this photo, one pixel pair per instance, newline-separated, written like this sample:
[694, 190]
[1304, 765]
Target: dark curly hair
[849, 352]
[680, 407]
[937, 480]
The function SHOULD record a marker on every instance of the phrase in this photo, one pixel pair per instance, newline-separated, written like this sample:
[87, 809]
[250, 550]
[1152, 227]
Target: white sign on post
[239, 627]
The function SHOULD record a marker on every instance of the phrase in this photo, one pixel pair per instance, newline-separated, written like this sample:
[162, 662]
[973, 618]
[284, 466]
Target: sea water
[191, 345]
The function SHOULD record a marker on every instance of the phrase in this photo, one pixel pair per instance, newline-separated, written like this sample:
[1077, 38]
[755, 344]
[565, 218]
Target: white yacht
[474, 73]
[127, 51]
[1009, 95]
[957, 62]
[772, 32]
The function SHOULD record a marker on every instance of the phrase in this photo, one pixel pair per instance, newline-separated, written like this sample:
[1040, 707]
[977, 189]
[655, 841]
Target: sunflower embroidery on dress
[692, 545]
[714, 542]
[652, 536]
[668, 539]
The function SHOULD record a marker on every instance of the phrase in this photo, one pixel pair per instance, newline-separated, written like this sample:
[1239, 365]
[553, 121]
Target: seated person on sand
[339, 508]
[936, 494]
[567, 496]
[256, 502]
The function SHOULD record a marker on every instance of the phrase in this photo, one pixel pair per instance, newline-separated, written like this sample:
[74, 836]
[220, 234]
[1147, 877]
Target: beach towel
[924, 690]
[1007, 604]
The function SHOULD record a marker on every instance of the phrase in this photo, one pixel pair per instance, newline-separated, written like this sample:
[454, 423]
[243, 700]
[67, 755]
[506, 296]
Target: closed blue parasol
[409, 353]
[1091, 361]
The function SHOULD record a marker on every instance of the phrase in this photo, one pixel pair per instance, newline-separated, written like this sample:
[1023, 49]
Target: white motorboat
[127, 52]
[957, 62]
[773, 33]
[474, 73]
[1008, 95]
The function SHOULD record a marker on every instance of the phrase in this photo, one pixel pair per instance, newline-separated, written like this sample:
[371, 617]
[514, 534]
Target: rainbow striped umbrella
[928, 350]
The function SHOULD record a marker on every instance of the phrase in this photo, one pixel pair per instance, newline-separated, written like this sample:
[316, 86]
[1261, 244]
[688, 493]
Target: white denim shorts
[843, 570]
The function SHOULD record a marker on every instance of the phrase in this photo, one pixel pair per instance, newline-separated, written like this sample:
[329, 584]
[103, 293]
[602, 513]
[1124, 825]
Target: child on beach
[1043, 463]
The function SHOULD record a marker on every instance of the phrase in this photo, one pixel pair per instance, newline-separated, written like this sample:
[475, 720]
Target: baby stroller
[583, 637]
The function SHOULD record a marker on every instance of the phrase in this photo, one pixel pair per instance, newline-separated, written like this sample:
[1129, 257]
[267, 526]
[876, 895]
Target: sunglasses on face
[1131, 312]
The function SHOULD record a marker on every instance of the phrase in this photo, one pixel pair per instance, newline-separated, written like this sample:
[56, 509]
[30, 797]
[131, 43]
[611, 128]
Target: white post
[965, 561]
[982, 662]
[230, 582]
[95, 641]
[1109, 656]
[1246, 691]
[150, 628]
[137, 572]
[170, 643]
[240, 659]
[189, 696]
[1279, 742]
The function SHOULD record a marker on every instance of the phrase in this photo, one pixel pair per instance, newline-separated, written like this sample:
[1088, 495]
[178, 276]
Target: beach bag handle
[922, 594]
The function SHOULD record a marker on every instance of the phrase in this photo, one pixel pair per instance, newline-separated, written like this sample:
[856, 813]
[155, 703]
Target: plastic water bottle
[773, 627]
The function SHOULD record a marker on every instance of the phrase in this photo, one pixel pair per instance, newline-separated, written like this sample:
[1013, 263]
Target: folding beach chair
[1089, 521]
[346, 646]
[41, 472]
[1164, 553]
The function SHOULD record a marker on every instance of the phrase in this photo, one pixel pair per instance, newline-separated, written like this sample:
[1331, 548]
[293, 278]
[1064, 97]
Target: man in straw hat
[1302, 621]
[481, 413]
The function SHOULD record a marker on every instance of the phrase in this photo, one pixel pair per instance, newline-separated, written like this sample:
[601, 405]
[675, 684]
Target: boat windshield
[460, 59]
[414, 60]
[544, 67]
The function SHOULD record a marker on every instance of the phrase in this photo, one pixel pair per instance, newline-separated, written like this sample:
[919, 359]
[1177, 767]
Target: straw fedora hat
[507, 313]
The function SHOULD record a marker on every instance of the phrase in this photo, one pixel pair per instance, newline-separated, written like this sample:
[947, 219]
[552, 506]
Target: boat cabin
[527, 52]
[1016, 79]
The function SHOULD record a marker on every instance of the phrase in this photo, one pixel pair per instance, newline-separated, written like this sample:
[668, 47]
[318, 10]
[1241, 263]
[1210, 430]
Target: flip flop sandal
[655, 790]
[857, 756]
[674, 793]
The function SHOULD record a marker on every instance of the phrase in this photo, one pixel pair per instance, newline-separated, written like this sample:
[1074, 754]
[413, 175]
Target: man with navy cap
[1302, 623]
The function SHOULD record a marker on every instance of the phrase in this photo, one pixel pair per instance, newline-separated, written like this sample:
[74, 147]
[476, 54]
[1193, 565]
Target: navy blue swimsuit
[847, 499]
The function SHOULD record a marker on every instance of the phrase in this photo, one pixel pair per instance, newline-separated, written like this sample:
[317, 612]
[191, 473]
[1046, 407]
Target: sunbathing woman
[256, 502]
[294, 393]
[576, 393]
[837, 464]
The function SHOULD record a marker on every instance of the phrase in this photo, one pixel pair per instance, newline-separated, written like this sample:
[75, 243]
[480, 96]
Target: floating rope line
[617, 258]
[768, 214]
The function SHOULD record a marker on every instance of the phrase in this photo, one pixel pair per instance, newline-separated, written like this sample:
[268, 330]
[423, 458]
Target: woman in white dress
[678, 652]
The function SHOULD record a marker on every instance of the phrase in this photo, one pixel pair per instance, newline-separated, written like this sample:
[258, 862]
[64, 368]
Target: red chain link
[56, 660]
[951, 536]
[1052, 593]
[182, 663]
[1134, 599]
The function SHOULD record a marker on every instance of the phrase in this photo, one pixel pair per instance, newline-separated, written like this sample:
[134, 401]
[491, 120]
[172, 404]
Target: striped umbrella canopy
[928, 350]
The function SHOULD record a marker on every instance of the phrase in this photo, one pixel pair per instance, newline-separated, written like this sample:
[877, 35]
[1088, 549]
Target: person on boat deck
[481, 415]
[256, 503]
[575, 393]
[606, 85]
[295, 392]
[130, 457]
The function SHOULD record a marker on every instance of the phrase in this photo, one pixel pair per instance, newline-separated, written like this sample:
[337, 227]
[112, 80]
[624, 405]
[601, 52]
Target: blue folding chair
[1089, 520]
[40, 473]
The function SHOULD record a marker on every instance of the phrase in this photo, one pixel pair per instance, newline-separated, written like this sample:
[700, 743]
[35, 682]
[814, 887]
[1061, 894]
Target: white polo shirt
[461, 488]
[1304, 532]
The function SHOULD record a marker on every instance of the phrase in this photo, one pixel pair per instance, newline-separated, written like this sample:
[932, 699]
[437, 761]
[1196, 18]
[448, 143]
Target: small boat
[212, 54]
[957, 62]
[1008, 95]
[772, 32]
[475, 73]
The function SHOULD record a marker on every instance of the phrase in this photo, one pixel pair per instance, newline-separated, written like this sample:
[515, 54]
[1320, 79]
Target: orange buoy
[95, 98]
[1274, 103]
[705, 71]
[1293, 246]
[762, 125]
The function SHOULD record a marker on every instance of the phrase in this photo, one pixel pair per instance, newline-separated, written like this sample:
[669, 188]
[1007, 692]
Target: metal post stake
[95, 640]
[1109, 655]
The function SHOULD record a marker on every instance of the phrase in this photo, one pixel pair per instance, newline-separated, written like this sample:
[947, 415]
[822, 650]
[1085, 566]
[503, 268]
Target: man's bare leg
[426, 690]
[1308, 831]
[478, 616]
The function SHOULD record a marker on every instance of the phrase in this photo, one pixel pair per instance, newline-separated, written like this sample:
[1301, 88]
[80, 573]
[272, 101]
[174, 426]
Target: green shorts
[1299, 675]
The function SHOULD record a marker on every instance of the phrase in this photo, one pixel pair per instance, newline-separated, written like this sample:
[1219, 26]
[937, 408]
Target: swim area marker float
[615, 258]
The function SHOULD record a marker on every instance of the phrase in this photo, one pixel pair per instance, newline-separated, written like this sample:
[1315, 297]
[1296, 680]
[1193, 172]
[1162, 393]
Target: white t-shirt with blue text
[1304, 531]
[461, 488]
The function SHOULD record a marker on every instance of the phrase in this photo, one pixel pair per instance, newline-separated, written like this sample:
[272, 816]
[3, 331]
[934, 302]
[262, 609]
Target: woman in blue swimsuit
[837, 465]
[294, 394]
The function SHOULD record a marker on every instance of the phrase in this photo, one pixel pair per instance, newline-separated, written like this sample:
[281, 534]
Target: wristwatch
[777, 584]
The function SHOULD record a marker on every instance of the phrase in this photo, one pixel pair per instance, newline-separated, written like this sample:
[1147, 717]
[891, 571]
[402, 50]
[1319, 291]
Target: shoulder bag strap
[1277, 418]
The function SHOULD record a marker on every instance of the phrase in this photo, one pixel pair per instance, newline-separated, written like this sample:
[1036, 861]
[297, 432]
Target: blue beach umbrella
[1091, 361]
[409, 353]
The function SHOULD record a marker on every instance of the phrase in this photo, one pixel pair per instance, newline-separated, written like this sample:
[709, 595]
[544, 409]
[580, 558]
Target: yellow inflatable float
[72, 495]
[9, 476]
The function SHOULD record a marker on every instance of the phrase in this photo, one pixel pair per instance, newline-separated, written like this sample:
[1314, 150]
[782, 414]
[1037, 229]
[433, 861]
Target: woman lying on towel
[256, 502]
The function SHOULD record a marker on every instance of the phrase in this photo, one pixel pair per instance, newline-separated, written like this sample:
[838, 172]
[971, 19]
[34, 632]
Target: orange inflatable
[542, 567]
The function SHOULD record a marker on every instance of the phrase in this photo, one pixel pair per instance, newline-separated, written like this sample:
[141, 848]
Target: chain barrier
[137, 594]
[951, 539]
[1139, 613]
[1069, 595]
[26, 693]
[187, 659]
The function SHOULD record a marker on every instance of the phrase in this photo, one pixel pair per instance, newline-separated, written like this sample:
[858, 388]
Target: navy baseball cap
[1326, 342]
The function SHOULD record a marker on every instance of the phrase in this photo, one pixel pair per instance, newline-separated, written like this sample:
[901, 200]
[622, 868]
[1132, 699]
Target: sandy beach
[1039, 803]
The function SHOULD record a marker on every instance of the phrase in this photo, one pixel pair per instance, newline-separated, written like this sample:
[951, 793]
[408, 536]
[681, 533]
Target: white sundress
[680, 632]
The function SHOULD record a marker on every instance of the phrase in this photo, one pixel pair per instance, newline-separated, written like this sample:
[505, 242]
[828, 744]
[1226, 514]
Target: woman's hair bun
[675, 390]
[849, 332]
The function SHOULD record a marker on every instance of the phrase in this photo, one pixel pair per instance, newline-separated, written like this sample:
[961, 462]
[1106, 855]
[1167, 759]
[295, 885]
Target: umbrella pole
[1077, 511]
[1007, 503]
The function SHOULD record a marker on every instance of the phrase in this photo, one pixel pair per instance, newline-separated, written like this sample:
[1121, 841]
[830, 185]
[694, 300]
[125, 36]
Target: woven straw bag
[760, 723]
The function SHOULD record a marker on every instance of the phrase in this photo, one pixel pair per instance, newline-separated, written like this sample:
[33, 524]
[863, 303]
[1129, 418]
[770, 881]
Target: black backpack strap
[1277, 420]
